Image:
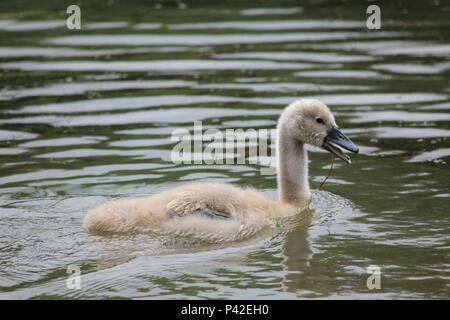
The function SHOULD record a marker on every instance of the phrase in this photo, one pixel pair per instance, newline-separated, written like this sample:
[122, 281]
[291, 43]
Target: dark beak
[335, 137]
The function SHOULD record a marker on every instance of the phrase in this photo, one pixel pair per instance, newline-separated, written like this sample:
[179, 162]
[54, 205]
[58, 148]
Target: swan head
[310, 121]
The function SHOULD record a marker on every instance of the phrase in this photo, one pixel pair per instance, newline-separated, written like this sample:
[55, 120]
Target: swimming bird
[219, 212]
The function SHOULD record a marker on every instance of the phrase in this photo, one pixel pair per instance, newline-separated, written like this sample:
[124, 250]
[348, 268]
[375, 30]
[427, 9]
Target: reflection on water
[206, 39]
[87, 116]
[272, 25]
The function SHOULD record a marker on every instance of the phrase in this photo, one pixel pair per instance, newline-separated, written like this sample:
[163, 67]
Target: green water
[87, 115]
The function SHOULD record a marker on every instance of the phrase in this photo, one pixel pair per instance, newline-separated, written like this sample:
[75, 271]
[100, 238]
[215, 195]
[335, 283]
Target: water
[86, 117]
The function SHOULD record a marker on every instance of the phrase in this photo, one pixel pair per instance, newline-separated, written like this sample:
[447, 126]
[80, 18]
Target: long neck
[293, 185]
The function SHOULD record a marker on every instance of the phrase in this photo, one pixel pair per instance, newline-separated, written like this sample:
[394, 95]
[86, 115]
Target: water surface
[86, 117]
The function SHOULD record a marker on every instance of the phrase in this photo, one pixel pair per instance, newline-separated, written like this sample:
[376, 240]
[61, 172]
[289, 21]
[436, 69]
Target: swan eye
[320, 120]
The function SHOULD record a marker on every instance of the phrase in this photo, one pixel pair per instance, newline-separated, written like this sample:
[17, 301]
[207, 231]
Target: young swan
[219, 212]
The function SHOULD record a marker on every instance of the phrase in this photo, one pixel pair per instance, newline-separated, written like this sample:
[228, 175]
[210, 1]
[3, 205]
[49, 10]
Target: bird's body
[223, 212]
[245, 210]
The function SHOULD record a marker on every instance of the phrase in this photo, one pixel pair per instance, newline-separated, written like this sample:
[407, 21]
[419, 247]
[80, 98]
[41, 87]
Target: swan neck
[293, 185]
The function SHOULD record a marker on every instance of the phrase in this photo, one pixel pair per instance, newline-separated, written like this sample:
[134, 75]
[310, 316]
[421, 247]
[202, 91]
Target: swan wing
[191, 203]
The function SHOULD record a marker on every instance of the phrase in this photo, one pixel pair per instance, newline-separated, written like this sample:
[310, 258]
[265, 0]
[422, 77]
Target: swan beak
[336, 138]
